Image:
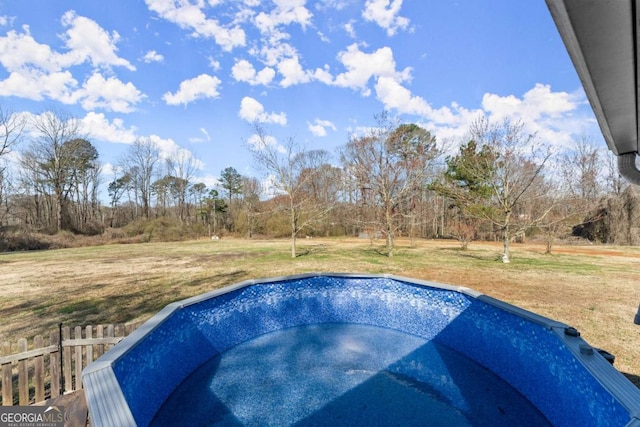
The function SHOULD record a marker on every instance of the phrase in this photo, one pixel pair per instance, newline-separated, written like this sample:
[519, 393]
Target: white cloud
[152, 56]
[286, 12]
[336, 5]
[348, 28]
[243, 71]
[260, 143]
[324, 37]
[323, 75]
[536, 103]
[273, 52]
[271, 186]
[393, 95]
[84, 38]
[210, 181]
[253, 111]
[292, 72]
[21, 51]
[286, 60]
[205, 133]
[555, 117]
[109, 94]
[319, 127]
[361, 67]
[37, 72]
[97, 126]
[273, 48]
[108, 170]
[37, 85]
[88, 41]
[450, 123]
[215, 65]
[198, 139]
[265, 142]
[169, 149]
[203, 86]
[188, 15]
[385, 14]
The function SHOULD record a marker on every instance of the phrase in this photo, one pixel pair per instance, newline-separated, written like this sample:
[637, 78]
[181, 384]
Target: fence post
[110, 334]
[66, 351]
[99, 334]
[60, 355]
[38, 379]
[89, 348]
[77, 334]
[7, 377]
[23, 375]
[54, 365]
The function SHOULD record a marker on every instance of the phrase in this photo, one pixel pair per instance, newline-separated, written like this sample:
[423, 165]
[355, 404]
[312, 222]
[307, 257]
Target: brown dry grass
[593, 288]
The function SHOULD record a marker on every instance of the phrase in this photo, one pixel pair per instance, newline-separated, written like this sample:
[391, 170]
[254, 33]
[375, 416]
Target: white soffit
[600, 36]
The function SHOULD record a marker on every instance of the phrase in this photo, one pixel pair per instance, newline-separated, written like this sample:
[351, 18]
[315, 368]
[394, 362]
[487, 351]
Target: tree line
[500, 183]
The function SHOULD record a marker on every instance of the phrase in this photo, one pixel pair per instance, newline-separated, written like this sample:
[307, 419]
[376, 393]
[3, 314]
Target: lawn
[593, 288]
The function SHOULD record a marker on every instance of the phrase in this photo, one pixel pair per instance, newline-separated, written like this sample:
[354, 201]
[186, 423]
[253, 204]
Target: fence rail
[50, 366]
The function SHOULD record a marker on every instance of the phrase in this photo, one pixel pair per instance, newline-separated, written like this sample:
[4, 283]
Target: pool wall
[559, 373]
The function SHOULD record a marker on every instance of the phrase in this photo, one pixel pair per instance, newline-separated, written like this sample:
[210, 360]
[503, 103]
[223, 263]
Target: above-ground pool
[336, 349]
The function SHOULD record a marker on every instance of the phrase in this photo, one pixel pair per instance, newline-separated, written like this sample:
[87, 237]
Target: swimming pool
[327, 349]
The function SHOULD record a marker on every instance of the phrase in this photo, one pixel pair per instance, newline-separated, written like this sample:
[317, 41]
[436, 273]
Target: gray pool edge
[108, 406]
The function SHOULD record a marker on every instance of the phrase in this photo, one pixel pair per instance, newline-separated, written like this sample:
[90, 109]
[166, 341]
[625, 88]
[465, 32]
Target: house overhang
[600, 36]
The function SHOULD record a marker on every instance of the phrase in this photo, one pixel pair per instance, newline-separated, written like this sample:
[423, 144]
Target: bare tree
[11, 130]
[615, 183]
[578, 189]
[291, 168]
[326, 190]
[84, 175]
[390, 163]
[116, 189]
[182, 167]
[581, 167]
[141, 163]
[51, 156]
[250, 204]
[560, 220]
[497, 177]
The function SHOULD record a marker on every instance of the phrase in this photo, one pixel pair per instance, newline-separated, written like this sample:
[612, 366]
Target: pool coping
[108, 407]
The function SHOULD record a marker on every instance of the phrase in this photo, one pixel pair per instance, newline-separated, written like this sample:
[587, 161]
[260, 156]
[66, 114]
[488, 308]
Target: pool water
[343, 374]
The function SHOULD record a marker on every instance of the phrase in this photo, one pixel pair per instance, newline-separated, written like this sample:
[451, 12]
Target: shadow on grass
[145, 301]
[378, 251]
[312, 250]
[470, 254]
[217, 280]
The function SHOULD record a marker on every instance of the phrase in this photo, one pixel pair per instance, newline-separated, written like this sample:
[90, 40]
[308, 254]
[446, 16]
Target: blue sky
[194, 75]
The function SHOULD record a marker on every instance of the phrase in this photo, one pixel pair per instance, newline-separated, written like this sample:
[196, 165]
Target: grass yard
[596, 289]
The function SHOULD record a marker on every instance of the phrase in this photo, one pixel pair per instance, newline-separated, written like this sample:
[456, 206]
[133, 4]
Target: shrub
[15, 239]
[161, 229]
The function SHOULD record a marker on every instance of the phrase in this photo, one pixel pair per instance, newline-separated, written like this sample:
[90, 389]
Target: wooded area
[397, 179]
